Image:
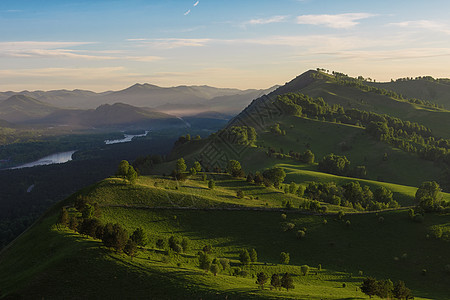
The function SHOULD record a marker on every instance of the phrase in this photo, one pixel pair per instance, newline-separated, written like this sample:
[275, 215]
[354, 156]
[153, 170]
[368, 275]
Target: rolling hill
[328, 221]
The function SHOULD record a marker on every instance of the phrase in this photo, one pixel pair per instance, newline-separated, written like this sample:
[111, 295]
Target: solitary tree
[211, 184]
[244, 257]
[122, 170]
[181, 165]
[132, 175]
[284, 258]
[275, 281]
[287, 282]
[234, 168]
[261, 279]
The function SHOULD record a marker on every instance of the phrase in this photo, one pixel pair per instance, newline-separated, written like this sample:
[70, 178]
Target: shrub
[304, 269]
[284, 258]
[301, 234]
[240, 194]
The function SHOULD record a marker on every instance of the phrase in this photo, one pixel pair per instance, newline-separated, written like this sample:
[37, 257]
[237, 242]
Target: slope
[426, 88]
[21, 108]
[64, 264]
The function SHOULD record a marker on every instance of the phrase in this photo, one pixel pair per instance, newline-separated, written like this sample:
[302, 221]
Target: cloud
[334, 21]
[424, 24]
[196, 3]
[171, 43]
[32, 49]
[187, 12]
[274, 19]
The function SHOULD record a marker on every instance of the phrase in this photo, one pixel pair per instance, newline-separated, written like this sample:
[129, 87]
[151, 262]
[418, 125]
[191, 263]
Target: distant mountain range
[180, 100]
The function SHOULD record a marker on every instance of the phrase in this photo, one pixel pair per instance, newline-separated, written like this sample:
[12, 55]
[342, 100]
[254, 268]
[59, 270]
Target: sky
[104, 45]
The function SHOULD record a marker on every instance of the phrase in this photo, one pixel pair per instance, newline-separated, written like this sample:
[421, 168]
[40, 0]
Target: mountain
[21, 108]
[109, 116]
[180, 100]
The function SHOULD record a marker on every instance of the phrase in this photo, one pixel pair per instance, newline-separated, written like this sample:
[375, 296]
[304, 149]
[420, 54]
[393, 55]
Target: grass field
[67, 265]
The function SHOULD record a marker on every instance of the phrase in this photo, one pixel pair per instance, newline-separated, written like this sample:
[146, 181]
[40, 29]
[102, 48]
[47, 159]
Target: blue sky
[108, 45]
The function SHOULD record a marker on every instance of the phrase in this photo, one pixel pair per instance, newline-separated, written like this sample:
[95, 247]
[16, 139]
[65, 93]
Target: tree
[369, 286]
[181, 165]
[253, 255]
[427, 196]
[234, 168]
[90, 227]
[384, 288]
[138, 237]
[258, 178]
[275, 176]
[301, 234]
[197, 166]
[304, 269]
[261, 279]
[240, 194]
[275, 281]
[287, 282]
[382, 194]
[292, 188]
[225, 263]
[204, 261]
[308, 157]
[132, 175]
[114, 236]
[215, 268]
[185, 244]
[211, 184]
[400, 291]
[122, 170]
[284, 258]
[88, 211]
[63, 217]
[130, 248]
[73, 223]
[244, 257]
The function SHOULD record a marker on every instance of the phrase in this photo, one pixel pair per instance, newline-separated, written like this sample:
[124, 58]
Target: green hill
[64, 264]
[426, 88]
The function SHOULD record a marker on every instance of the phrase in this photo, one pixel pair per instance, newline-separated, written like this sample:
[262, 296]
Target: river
[126, 138]
[56, 158]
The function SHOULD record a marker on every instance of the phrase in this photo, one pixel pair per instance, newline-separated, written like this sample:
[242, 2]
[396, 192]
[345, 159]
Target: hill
[21, 108]
[426, 88]
[117, 115]
[64, 264]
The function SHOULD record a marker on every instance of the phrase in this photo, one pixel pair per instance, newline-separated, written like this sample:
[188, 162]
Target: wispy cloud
[334, 21]
[33, 49]
[171, 43]
[196, 3]
[187, 12]
[274, 19]
[425, 24]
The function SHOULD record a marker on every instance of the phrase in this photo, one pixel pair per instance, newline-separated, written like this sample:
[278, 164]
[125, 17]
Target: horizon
[105, 46]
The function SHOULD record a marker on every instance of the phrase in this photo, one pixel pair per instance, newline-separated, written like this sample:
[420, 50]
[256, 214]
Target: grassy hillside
[67, 265]
[321, 138]
[435, 90]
